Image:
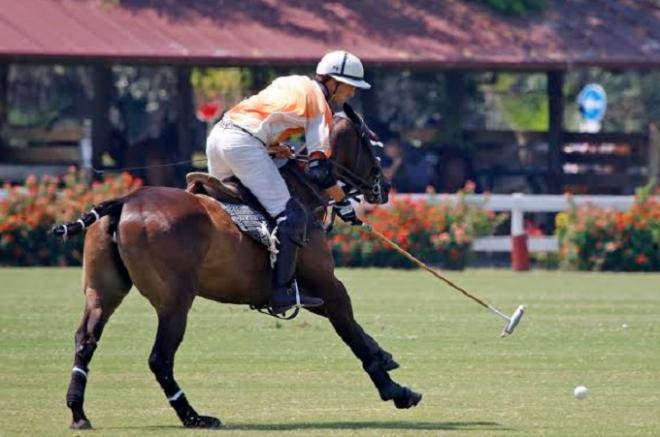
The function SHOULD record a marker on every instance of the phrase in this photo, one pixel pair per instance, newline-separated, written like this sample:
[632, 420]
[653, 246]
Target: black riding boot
[291, 231]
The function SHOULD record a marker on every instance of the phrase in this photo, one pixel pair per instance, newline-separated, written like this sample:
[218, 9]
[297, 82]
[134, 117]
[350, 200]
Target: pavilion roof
[423, 33]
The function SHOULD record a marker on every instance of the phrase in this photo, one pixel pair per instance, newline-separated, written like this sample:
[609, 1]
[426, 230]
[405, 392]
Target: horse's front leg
[375, 350]
[316, 272]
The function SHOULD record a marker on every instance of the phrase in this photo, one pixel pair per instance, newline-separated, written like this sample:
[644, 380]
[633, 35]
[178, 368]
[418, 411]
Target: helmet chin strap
[329, 97]
[334, 92]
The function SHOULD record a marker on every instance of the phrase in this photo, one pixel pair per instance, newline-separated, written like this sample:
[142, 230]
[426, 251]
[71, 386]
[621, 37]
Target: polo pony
[174, 245]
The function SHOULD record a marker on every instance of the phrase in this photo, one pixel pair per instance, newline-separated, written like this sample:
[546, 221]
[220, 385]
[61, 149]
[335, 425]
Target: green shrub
[592, 238]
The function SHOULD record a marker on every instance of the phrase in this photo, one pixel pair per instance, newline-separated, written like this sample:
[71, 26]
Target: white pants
[230, 151]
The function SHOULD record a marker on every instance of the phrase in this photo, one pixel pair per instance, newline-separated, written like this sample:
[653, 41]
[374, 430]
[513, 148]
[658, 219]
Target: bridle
[354, 183]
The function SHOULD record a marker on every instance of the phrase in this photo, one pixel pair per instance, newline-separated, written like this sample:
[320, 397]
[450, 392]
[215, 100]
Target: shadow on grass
[407, 425]
[403, 425]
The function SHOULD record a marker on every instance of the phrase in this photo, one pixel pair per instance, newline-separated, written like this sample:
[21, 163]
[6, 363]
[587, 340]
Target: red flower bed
[28, 211]
[434, 232]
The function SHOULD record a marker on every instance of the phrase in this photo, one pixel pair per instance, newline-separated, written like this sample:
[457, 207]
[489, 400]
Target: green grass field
[262, 377]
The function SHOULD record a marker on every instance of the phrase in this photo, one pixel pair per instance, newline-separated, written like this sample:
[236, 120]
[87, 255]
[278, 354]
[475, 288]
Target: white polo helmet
[343, 67]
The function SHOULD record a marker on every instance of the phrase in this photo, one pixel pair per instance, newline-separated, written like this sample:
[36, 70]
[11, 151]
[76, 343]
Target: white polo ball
[580, 392]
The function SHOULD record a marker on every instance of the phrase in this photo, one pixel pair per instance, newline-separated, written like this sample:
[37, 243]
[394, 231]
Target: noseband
[359, 185]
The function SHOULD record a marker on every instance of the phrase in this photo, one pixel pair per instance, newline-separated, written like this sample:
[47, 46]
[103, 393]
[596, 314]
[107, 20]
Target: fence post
[85, 144]
[519, 252]
[654, 152]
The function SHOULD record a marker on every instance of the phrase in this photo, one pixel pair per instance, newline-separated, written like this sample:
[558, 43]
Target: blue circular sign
[592, 101]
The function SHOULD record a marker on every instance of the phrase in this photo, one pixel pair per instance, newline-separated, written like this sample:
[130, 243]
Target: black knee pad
[322, 172]
[292, 223]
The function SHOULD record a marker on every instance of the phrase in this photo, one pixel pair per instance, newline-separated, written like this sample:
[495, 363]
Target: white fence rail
[517, 205]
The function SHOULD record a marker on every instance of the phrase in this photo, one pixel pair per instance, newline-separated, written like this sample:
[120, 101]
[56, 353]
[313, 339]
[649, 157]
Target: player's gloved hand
[346, 212]
[280, 150]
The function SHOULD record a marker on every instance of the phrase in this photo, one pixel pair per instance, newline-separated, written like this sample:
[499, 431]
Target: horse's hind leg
[105, 283]
[172, 317]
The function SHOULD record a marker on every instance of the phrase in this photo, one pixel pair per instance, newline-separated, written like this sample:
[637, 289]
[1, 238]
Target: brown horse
[174, 246]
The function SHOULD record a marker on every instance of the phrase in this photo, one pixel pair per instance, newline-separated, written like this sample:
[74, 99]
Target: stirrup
[301, 298]
[269, 311]
[299, 303]
[282, 316]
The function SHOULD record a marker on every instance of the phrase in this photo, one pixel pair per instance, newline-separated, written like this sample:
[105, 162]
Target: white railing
[517, 205]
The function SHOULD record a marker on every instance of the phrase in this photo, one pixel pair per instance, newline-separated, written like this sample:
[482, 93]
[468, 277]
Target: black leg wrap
[163, 372]
[378, 353]
[76, 392]
[379, 356]
[75, 395]
[403, 397]
[387, 389]
[183, 409]
[75, 398]
[189, 416]
[386, 360]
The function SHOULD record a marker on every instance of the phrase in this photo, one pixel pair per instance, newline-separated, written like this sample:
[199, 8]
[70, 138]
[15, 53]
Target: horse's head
[354, 158]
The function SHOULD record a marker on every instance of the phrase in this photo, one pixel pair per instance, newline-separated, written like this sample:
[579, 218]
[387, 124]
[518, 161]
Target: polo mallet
[511, 322]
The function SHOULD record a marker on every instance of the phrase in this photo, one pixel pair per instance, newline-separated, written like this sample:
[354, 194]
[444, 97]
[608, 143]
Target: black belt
[226, 123]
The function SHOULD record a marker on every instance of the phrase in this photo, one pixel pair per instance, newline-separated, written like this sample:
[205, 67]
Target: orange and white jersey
[290, 105]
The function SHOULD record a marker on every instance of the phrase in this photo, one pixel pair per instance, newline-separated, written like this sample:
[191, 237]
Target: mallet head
[513, 321]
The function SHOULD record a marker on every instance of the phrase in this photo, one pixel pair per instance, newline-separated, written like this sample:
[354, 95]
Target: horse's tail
[111, 207]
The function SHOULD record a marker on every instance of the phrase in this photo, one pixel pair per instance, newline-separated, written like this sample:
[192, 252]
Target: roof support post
[555, 88]
[452, 113]
[103, 85]
[184, 128]
[4, 100]
[654, 152]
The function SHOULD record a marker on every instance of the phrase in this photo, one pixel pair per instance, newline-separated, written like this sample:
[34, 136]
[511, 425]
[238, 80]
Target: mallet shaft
[512, 321]
[398, 248]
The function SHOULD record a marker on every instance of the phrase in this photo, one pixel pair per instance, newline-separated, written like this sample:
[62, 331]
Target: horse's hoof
[202, 422]
[407, 399]
[81, 424]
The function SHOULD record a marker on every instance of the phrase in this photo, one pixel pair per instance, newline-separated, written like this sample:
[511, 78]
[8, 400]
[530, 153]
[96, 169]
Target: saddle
[229, 190]
[241, 205]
